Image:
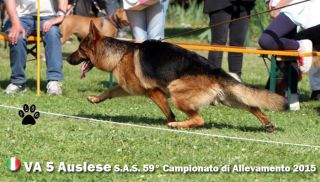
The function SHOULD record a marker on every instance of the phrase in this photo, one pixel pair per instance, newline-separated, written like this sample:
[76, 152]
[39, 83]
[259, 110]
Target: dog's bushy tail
[254, 97]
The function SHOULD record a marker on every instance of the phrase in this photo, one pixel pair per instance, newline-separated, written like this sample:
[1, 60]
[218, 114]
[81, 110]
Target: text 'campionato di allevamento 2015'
[86, 167]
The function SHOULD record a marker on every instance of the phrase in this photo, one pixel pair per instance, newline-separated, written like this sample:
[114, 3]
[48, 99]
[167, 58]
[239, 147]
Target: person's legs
[18, 52]
[314, 75]
[279, 36]
[274, 37]
[294, 104]
[53, 52]
[218, 35]
[138, 24]
[312, 34]
[284, 67]
[293, 65]
[156, 19]
[111, 6]
[237, 36]
[83, 8]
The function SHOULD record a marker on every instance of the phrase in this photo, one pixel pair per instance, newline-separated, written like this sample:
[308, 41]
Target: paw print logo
[29, 119]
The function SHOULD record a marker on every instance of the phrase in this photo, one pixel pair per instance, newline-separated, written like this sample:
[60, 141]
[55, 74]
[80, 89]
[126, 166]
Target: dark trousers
[236, 30]
[280, 35]
[312, 34]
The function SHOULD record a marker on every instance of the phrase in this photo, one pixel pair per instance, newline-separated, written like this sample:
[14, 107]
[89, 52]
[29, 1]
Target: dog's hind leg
[189, 103]
[234, 103]
[263, 118]
[188, 95]
[159, 98]
[194, 121]
[115, 91]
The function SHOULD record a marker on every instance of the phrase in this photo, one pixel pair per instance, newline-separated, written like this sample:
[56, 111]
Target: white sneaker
[54, 88]
[294, 103]
[13, 89]
[305, 62]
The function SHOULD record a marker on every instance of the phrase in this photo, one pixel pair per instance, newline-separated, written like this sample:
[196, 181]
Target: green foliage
[193, 17]
[260, 22]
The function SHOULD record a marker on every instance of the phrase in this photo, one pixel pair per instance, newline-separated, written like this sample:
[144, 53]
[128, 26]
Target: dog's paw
[185, 124]
[176, 125]
[173, 125]
[93, 99]
[270, 128]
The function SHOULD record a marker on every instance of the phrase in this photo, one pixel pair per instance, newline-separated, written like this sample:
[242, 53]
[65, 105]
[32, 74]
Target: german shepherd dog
[159, 69]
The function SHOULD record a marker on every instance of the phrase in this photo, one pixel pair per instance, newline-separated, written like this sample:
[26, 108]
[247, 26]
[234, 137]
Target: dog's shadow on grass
[125, 119]
[162, 121]
[240, 128]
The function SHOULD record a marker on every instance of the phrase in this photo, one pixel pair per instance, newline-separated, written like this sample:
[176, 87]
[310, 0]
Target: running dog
[159, 70]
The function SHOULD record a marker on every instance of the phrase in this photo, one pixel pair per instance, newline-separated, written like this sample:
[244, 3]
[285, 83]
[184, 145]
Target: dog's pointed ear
[122, 17]
[94, 33]
[125, 22]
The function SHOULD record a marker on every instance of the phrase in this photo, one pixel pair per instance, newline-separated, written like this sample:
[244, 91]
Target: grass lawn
[74, 141]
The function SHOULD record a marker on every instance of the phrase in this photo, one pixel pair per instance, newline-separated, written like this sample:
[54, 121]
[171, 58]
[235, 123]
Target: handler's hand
[273, 13]
[47, 25]
[14, 33]
[270, 5]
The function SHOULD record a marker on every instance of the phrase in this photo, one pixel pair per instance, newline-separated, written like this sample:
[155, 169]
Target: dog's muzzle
[75, 58]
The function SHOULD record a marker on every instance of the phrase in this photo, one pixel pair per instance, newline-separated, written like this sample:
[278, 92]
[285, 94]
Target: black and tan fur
[160, 70]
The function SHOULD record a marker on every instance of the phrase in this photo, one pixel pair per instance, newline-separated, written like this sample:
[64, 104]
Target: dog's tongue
[83, 70]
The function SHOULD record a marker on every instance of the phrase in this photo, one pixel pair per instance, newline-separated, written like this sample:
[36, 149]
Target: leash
[100, 12]
[230, 21]
[96, 5]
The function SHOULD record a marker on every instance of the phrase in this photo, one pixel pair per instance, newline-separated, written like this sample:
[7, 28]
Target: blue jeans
[111, 6]
[149, 23]
[52, 45]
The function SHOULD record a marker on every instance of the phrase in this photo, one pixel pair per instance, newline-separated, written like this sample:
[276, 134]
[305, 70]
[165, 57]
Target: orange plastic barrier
[248, 50]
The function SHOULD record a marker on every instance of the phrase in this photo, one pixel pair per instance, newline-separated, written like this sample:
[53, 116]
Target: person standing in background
[111, 6]
[148, 23]
[312, 34]
[223, 11]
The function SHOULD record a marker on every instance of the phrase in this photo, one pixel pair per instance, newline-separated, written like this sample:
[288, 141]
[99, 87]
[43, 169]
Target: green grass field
[74, 141]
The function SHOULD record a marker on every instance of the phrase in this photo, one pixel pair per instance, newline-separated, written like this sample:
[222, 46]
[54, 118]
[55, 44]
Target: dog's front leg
[115, 91]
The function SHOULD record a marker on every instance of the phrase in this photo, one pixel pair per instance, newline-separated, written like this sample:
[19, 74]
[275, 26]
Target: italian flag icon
[13, 164]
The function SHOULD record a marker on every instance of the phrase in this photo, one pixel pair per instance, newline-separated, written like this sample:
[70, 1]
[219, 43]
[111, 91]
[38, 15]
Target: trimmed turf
[60, 139]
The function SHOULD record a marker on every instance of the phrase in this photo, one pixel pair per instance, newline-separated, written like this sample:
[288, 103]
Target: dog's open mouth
[86, 67]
